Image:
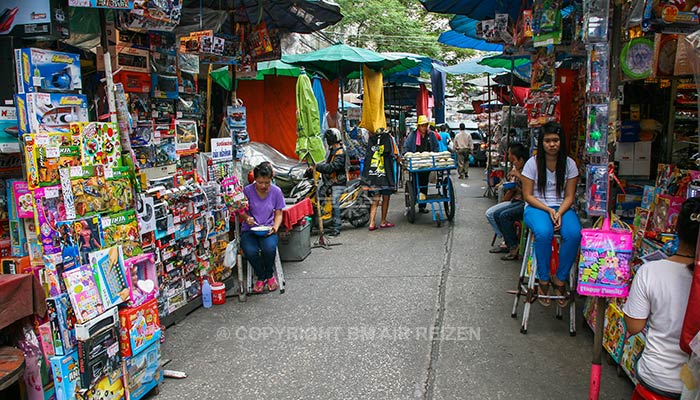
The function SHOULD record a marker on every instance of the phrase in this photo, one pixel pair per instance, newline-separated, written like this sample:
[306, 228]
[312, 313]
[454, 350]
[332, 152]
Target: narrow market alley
[411, 312]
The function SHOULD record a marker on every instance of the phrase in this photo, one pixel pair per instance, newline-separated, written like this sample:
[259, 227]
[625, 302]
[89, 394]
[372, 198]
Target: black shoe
[423, 211]
[466, 176]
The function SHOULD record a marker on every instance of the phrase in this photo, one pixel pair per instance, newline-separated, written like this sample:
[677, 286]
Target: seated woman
[549, 186]
[659, 296]
[505, 217]
[265, 204]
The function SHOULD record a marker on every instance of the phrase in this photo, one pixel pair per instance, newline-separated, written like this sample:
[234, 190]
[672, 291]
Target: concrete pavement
[411, 312]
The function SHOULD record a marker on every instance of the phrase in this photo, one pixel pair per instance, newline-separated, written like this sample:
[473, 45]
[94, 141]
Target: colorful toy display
[597, 189]
[140, 327]
[49, 112]
[47, 71]
[604, 268]
[108, 265]
[142, 278]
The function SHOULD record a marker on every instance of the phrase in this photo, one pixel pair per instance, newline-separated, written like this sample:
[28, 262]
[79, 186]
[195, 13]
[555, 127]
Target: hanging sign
[221, 149]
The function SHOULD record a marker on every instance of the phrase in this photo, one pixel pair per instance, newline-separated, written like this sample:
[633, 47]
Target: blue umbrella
[320, 99]
[477, 9]
[456, 39]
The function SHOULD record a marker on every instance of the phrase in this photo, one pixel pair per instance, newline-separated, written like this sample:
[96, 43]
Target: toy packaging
[119, 191]
[62, 322]
[186, 138]
[142, 278]
[108, 266]
[90, 328]
[46, 153]
[648, 197]
[140, 326]
[66, 375]
[598, 65]
[49, 112]
[67, 240]
[41, 70]
[53, 272]
[631, 353]
[87, 191]
[604, 268]
[110, 387]
[597, 182]
[99, 356]
[46, 340]
[83, 293]
[101, 143]
[641, 220]
[615, 331]
[23, 199]
[143, 372]
[597, 130]
[666, 211]
[8, 130]
[88, 236]
[50, 210]
[123, 229]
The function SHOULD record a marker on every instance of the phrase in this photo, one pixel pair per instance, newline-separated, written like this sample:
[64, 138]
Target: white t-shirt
[551, 197]
[660, 293]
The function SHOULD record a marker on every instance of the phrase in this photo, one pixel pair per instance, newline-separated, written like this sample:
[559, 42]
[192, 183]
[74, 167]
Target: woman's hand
[250, 220]
[555, 217]
[272, 231]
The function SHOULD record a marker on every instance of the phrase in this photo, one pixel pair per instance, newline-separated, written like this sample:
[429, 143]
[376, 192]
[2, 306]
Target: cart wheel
[410, 195]
[448, 191]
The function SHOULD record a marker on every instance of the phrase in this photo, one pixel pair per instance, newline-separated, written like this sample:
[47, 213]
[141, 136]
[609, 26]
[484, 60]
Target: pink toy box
[604, 266]
[142, 278]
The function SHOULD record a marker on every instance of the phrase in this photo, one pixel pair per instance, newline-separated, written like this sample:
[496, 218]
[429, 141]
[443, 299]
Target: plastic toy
[66, 375]
[49, 112]
[119, 191]
[145, 156]
[62, 320]
[597, 189]
[50, 210]
[111, 280]
[142, 278]
[87, 189]
[604, 263]
[596, 16]
[41, 70]
[186, 138]
[598, 56]
[46, 153]
[140, 326]
[641, 219]
[83, 293]
[143, 372]
[597, 130]
[666, 212]
[648, 197]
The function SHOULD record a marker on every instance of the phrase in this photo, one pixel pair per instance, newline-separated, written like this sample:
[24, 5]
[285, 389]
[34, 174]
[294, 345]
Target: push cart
[440, 194]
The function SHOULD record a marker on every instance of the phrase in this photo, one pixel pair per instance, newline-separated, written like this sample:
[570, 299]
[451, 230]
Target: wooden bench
[11, 366]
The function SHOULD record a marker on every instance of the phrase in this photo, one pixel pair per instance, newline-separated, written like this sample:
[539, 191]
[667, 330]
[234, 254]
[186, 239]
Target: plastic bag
[230, 255]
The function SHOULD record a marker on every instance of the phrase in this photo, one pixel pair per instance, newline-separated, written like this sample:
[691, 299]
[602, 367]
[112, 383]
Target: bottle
[206, 294]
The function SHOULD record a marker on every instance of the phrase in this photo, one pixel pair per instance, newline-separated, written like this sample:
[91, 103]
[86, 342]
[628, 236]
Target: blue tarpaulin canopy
[456, 39]
[470, 67]
[477, 9]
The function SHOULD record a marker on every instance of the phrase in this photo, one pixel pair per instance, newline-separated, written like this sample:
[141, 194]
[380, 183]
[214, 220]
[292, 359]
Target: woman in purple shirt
[265, 204]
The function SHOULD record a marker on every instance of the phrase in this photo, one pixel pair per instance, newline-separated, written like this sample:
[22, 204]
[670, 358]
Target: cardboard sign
[221, 149]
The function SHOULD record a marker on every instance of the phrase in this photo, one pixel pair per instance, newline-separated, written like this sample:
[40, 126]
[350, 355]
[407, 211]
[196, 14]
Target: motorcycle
[354, 203]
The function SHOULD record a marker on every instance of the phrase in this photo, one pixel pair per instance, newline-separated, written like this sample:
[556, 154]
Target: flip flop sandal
[373, 228]
[543, 290]
[498, 249]
[562, 290]
[387, 225]
[509, 257]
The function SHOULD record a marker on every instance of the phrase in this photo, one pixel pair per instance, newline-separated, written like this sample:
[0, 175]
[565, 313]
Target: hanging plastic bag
[604, 265]
[230, 255]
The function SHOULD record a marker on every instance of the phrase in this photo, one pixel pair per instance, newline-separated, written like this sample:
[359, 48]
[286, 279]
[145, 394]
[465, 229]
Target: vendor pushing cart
[439, 195]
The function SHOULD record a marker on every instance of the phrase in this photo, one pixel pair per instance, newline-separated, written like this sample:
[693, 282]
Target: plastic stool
[642, 393]
[278, 271]
[527, 287]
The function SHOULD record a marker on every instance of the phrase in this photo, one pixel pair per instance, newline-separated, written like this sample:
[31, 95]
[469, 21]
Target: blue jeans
[491, 213]
[541, 226]
[260, 252]
[336, 222]
[505, 220]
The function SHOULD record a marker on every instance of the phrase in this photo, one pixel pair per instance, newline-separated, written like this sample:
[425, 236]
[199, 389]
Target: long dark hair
[688, 224]
[549, 128]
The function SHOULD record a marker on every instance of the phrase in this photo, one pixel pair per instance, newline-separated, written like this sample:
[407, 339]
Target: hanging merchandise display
[596, 15]
[597, 130]
[598, 68]
[546, 23]
[636, 58]
[597, 189]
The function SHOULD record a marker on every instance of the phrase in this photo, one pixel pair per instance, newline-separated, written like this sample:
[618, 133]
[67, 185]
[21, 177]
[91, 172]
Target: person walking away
[463, 146]
[658, 298]
[421, 140]
[334, 176]
[265, 204]
[443, 138]
[379, 176]
[507, 216]
[549, 186]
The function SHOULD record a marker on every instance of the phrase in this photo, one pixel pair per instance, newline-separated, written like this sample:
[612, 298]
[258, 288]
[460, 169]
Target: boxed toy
[140, 326]
[8, 130]
[108, 266]
[49, 210]
[101, 143]
[142, 278]
[46, 340]
[112, 4]
[34, 18]
[98, 356]
[40, 70]
[615, 331]
[47, 152]
[143, 371]
[108, 318]
[49, 112]
[18, 238]
[83, 293]
[123, 229]
[66, 375]
[53, 272]
[110, 387]
[62, 320]
[127, 59]
[134, 82]
[84, 190]
[88, 237]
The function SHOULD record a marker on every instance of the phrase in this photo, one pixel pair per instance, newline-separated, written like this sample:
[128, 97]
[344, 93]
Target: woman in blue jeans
[265, 204]
[549, 186]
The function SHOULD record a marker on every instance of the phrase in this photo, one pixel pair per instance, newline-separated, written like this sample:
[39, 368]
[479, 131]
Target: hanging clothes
[373, 117]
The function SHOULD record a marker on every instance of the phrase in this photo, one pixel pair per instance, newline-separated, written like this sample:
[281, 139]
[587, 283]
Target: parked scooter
[354, 202]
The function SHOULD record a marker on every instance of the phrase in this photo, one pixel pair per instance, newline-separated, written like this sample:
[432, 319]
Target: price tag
[113, 349]
[109, 173]
[42, 140]
[53, 152]
[51, 193]
[76, 171]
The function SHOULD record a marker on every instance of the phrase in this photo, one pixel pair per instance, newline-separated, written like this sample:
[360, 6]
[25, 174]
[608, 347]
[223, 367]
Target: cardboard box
[140, 326]
[66, 375]
[34, 18]
[143, 372]
[99, 356]
[125, 58]
[8, 130]
[41, 70]
[86, 330]
[134, 82]
[49, 112]
[62, 319]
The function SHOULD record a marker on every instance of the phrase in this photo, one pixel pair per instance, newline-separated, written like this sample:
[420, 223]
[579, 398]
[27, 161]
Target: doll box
[142, 278]
[49, 112]
[143, 372]
[40, 70]
[140, 326]
[604, 264]
[61, 320]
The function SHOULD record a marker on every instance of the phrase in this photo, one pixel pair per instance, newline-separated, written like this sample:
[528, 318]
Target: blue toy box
[142, 371]
[66, 375]
[61, 317]
[49, 112]
[41, 70]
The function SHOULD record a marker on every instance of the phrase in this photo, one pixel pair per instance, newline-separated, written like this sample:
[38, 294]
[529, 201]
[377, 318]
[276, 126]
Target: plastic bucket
[218, 293]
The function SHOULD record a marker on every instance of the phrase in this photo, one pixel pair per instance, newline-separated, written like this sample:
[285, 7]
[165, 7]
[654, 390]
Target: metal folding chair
[528, 283]
[279, 272]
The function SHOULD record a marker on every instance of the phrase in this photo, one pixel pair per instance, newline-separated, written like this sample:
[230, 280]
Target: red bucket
[218, 293]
